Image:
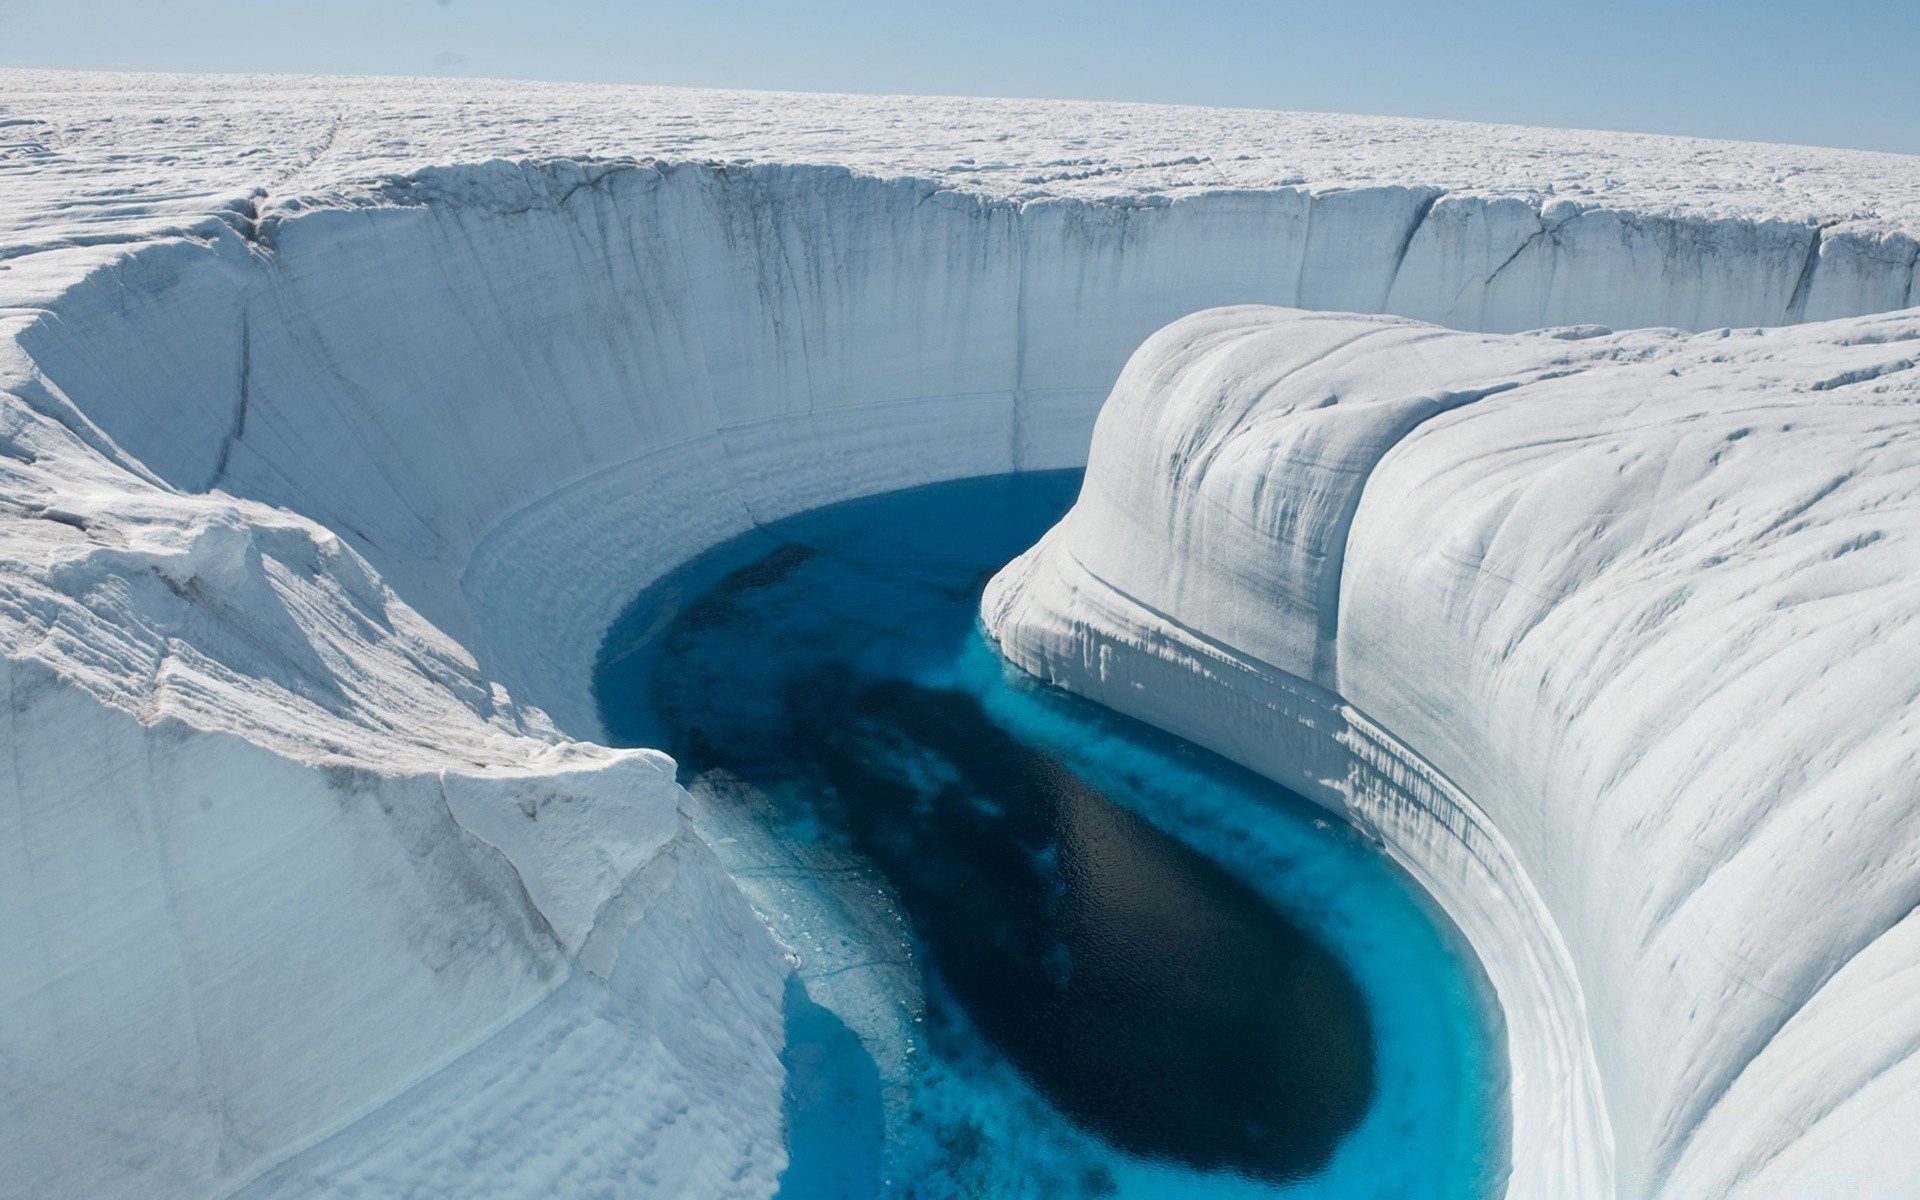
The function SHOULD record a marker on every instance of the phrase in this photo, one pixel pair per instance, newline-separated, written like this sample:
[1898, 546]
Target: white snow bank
[338, 419]
[1629, 625]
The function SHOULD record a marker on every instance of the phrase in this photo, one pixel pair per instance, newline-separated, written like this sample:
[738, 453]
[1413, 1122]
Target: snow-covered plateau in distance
[339, 418]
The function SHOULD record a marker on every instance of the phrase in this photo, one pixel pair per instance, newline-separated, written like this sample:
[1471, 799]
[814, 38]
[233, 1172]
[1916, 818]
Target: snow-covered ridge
[1632, 618]
[341, 416]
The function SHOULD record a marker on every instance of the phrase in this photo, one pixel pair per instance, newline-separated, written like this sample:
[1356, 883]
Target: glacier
[342, 417]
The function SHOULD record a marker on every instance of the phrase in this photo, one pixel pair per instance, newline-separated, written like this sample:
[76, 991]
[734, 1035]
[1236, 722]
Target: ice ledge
[1625, 671]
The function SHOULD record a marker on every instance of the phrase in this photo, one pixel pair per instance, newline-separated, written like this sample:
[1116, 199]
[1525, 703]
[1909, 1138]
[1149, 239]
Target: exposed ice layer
[330, 442]
[639, 352]
[1639, 611]
[275, 850]
[651, 1081]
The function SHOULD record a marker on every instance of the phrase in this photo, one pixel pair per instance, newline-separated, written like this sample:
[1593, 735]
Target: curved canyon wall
[442, 370]
[319, 497]
[1634, 614]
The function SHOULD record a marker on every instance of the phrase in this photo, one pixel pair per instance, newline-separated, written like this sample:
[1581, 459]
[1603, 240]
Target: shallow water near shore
[1046, 951]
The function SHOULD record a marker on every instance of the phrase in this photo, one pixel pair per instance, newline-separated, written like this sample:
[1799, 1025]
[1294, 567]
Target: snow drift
[333, 440]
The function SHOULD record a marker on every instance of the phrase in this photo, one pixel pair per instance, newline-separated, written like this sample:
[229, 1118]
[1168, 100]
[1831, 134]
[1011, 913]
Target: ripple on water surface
[1116, 964]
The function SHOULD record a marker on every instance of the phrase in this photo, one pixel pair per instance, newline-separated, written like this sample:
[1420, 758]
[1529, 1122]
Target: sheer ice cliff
[341, 417]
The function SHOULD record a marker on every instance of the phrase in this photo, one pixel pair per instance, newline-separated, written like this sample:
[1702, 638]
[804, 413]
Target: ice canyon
[1542, 502]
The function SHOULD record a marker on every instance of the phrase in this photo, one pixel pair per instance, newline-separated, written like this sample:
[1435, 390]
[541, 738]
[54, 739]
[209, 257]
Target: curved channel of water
[1046, 951]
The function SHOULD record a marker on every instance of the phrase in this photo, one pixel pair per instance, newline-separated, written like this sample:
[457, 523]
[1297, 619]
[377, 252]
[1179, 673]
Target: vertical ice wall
[522, 389]
[274, 850]
[1609, 640]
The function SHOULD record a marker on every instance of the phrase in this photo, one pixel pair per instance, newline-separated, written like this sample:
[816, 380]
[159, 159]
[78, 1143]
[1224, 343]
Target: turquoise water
[1046, 951]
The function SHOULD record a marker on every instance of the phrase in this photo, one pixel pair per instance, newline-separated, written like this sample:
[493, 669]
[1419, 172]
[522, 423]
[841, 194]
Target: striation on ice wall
[1635, 615]
[339, 418]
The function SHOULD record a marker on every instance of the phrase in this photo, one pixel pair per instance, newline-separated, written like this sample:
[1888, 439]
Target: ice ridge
[1627, 616]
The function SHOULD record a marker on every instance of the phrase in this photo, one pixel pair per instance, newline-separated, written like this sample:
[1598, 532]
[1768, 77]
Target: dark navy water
[1045, 950]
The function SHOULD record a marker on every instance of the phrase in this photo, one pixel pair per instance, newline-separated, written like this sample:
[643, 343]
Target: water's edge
[1113, 651]
[773, 866]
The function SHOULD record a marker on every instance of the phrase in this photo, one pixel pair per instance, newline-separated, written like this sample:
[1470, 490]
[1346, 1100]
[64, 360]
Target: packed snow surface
[339, 418]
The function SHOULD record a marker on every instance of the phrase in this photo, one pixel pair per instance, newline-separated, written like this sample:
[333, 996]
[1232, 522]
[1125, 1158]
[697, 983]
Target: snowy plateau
[339, 420]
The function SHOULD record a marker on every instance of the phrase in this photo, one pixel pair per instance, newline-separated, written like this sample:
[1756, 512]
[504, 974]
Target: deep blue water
[1046, 950]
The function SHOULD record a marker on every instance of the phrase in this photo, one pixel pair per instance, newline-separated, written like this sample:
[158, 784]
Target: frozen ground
[339, 418]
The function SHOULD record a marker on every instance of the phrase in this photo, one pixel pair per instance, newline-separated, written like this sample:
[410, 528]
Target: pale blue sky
[1839, 73]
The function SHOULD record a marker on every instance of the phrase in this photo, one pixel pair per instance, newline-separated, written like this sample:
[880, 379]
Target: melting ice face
[825, 678]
